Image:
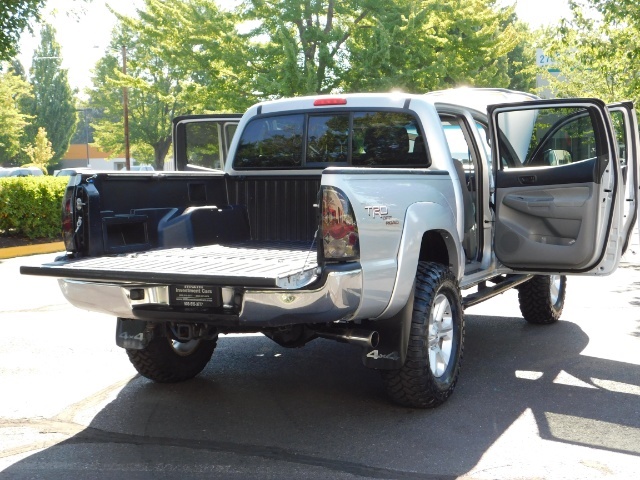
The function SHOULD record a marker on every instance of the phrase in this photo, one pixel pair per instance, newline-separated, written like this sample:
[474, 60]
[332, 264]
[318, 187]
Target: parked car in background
[142, 168]
[21, 172]
[70, 172]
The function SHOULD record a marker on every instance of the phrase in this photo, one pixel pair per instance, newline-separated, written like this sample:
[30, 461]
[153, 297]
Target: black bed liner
[251, 264]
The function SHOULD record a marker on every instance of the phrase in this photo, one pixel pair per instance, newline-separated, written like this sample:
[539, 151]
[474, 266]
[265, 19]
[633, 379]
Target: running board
[485, 293]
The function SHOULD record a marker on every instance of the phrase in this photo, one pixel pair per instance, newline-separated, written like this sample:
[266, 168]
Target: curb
[12, 252]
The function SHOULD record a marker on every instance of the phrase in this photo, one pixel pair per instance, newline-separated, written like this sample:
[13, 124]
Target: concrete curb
[36, 249]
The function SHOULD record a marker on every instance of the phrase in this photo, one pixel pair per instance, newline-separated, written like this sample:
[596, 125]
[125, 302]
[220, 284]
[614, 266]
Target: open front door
[625, 125]
[201, 142]
[559, 188]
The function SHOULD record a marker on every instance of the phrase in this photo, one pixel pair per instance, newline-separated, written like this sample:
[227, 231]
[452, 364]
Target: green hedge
[31, 206]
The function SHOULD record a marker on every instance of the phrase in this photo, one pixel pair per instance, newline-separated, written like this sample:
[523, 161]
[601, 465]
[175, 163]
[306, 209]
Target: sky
[83, 29]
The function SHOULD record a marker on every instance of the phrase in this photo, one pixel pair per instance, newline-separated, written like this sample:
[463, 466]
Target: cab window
[314, 140]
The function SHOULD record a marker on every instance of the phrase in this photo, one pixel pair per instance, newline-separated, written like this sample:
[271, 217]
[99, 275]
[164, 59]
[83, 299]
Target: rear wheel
[436, 342]
[166, 360]
[542, 298]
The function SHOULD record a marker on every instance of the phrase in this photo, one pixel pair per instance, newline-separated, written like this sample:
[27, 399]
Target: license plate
[200, 296]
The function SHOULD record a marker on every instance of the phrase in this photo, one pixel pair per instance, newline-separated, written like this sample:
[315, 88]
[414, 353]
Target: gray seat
[469, 207]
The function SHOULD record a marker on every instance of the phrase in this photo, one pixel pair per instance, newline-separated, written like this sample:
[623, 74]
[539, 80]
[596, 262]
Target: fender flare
[394, 324]
[421, 218]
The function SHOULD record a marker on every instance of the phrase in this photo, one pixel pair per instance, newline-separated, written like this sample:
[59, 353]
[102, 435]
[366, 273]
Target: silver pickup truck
[373, 219]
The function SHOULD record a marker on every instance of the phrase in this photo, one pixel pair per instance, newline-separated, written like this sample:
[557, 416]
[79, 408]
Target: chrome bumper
[337, 298]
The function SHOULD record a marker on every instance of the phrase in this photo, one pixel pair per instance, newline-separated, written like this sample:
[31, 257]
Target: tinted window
[271, 142]
[387, 139]
[383, 139]
[202, 144]
[328, 138]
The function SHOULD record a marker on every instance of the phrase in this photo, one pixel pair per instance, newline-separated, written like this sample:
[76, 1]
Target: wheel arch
[429, 234]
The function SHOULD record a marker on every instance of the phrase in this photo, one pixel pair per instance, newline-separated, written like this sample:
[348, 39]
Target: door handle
[527, 179]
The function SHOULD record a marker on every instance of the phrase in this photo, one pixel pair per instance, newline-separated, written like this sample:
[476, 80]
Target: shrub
[31, 206]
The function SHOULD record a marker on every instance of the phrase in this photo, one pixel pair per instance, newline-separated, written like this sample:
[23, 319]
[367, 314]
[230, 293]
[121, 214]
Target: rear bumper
[337, 298]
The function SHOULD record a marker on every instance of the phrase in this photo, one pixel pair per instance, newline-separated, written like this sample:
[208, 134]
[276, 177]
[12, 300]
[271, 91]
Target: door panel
[625, 126]
[556, 185]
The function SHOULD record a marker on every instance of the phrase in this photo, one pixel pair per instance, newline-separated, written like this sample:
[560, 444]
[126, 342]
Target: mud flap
[133, 334]
[391, 351]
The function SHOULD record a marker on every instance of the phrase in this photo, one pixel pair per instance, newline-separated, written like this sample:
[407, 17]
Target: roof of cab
[473, 98]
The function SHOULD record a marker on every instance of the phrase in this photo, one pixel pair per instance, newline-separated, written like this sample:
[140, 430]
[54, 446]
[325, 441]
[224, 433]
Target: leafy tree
[317, 46]
[13, 90]
[40, 152]
[53, 103]
[299, 47]
[14, 18]
[521, 68]
[431, 44]
[598, 51]
[176, 64]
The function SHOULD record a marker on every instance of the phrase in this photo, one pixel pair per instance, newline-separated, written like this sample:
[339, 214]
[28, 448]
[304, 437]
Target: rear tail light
[340, 238]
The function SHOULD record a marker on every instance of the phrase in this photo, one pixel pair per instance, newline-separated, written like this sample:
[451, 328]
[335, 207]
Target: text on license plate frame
[197, 296]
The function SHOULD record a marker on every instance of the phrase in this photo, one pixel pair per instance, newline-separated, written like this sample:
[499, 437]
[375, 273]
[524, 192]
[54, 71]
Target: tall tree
[176, 64]
[14, 18]
[299, 47]
[431, 44]
[53, 103]
[13, 90]
[319, 46]
[598, 51]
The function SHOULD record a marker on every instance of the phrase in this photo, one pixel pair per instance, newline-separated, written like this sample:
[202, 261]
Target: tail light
[339, 228]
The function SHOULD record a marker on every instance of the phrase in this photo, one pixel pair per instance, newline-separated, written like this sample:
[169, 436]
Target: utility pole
[125, 102]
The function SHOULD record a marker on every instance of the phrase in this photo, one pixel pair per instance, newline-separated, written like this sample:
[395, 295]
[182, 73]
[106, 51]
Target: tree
[300, 47]
[13, 90]
[53, 103]
[176, 64]
[317, 46]
[432, 44]
[14, 18]
[40, 152]
[598, 52]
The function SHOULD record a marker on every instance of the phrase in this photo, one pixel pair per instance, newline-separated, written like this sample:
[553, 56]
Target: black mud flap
[133, 334]
[391, 351]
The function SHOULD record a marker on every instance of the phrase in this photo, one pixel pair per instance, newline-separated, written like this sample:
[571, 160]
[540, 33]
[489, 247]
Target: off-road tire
[163, 361]
[416, 384]
[542, 298]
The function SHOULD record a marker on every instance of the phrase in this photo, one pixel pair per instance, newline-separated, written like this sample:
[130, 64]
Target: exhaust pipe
[361, 338]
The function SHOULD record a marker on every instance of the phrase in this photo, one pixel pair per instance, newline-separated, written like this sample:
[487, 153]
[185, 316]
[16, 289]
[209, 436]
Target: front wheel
[166, 360]
[436, 341]
[542, 298]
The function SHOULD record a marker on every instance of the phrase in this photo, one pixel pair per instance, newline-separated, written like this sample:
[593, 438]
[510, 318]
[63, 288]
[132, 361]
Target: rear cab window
[387, 139]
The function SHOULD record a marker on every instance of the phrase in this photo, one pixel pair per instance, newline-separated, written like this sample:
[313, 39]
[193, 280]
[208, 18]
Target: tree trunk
[160, 150]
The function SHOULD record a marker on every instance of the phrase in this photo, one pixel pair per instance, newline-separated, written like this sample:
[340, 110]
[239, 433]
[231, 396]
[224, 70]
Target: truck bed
[265, 264]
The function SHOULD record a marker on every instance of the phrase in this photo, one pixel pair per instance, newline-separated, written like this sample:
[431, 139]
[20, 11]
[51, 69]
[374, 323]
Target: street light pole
[125, 101]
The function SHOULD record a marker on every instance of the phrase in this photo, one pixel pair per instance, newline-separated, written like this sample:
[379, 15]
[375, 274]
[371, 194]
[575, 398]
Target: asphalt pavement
[533, 402]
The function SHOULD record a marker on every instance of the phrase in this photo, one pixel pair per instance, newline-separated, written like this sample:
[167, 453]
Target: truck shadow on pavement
[262, 411]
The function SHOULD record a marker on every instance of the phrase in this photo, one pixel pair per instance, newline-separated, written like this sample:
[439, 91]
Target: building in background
[81, 155]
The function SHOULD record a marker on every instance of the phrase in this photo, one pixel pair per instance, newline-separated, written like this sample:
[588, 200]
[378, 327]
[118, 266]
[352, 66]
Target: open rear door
[625, 125]
[559, 189]
[201, 142]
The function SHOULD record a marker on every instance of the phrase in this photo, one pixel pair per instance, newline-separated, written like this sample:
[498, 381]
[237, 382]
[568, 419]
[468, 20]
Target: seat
[469, 241]
[386, 145]
[469, 207]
